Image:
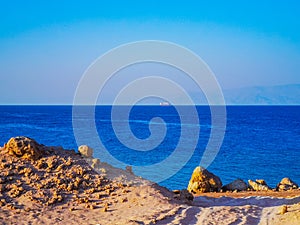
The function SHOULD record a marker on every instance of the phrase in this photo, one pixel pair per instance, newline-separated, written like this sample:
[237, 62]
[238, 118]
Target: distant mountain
[260, 95]
[266, 95]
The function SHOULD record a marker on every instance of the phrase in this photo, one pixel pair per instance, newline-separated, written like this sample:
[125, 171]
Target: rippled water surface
[260, 141]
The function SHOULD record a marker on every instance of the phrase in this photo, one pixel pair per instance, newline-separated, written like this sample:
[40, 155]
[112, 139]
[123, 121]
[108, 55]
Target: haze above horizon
[46, 47]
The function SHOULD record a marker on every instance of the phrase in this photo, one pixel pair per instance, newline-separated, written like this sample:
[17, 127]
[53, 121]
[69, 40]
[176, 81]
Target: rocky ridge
[48, 176]
[51, 176]
[203, 181]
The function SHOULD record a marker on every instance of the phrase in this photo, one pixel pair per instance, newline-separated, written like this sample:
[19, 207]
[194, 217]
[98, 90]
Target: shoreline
[243, 194]
[52, 185]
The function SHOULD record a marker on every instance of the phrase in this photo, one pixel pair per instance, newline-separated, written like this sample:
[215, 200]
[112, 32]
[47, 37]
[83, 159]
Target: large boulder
[86, 151]
[204, 181]
[236, 185]
[258, 185]
[286, 184]
[24, 147]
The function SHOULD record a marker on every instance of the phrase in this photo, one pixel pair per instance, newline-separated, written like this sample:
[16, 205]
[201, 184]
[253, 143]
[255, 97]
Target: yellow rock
[86, 151]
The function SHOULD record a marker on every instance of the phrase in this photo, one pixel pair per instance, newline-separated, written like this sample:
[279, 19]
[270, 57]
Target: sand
[114, 196]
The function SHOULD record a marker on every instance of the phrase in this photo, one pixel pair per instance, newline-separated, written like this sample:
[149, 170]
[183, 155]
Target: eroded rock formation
[204, 181]
[24, 147]
[258, 185]
[286, 184]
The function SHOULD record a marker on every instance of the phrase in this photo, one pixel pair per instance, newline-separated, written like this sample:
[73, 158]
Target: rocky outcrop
[56, 176]
[24, 147]
[286, 184]
[258, 185]
[236, 185]
[203, 181]
[86, 151]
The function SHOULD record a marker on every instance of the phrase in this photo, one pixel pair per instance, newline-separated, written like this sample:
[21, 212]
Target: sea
[260, 142]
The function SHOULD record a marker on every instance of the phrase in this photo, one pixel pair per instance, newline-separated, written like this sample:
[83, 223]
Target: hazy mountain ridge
[264, 95]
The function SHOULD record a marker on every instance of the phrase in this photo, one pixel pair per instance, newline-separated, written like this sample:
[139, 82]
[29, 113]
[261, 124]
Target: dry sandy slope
[210, 208]
[133, 200]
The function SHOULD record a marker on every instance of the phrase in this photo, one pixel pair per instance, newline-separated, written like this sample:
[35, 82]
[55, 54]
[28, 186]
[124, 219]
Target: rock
[86, 151]
[261, 185]
[186, 196]
[183, 195]
[177, 192]
[129, 169]
[24, 147]
[261, 181]
[236, 185]
[203, 181]
[95, 163]
[286, 184]
[283, 209]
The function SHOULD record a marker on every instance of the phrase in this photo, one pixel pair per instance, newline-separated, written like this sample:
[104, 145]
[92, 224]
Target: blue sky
[46, 47]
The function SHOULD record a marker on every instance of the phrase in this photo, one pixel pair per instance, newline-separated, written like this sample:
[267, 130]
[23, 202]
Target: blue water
[261, 142]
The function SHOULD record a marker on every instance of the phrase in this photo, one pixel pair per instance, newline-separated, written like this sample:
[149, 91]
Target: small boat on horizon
[164, 103]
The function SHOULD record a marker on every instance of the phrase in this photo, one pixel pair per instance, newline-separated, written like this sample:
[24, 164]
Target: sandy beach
[61, 187]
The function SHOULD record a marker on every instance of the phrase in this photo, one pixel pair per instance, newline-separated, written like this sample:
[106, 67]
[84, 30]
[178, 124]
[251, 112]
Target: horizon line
[149, 105]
